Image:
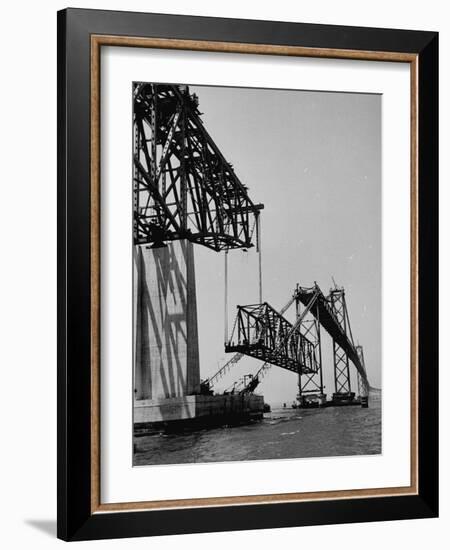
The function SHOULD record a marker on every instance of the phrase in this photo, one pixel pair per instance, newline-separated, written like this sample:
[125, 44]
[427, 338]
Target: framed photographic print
[247, 274]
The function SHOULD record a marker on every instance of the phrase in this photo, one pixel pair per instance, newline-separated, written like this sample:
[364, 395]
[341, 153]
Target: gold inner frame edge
[97, 41]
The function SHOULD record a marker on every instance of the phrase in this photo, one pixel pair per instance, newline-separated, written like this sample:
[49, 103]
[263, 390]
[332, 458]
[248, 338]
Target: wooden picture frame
[81, 35]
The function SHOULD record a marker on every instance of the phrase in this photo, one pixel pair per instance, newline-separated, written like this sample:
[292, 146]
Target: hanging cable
[226, 298]
[258, 248]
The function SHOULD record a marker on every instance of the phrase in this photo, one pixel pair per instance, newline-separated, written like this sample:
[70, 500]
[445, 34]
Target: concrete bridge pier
[166, 355]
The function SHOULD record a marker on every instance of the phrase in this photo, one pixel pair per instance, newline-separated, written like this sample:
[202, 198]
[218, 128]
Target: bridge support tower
[310, 384]
[342, 383]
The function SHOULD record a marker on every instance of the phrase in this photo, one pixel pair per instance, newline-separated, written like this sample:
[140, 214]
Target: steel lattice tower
[341, 362]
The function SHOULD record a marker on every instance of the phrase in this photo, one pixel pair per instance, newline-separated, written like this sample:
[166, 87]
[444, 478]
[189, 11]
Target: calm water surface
[284, 433]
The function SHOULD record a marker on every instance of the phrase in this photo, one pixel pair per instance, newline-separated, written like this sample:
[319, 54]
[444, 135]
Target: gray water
[283, 433]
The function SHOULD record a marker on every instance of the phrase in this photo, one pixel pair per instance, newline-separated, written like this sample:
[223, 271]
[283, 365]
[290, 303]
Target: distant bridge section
[265, 334]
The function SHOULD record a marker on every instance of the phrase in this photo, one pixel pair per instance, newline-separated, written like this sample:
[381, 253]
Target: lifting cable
[260, 294]
[226, 298]
[258, 249]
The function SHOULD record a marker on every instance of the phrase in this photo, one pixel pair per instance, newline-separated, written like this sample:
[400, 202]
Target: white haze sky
[314, 160]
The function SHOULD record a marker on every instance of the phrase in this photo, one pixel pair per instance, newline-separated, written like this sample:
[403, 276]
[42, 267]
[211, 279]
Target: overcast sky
[314, 160]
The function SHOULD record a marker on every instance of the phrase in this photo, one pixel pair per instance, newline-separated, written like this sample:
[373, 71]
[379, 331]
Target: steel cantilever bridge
[184, 188]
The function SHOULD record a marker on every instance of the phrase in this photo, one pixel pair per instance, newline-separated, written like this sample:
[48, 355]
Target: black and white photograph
[257, 274]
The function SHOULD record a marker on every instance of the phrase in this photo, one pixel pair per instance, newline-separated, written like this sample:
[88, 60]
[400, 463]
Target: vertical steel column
[363, 389]
[312, 382]
[154, 137]
[297, 315]
[137, 148]
[183, 175]
[153, 149]
[359, 381]
[342, 382]
[341, 370]
[319, 345]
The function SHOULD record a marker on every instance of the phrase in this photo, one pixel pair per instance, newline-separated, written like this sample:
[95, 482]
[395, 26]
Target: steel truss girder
[183, 186]
[261, 332]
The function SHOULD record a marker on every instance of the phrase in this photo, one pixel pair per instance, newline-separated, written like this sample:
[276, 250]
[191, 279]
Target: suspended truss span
[210, 382]
[263, 333]
[184, 188]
